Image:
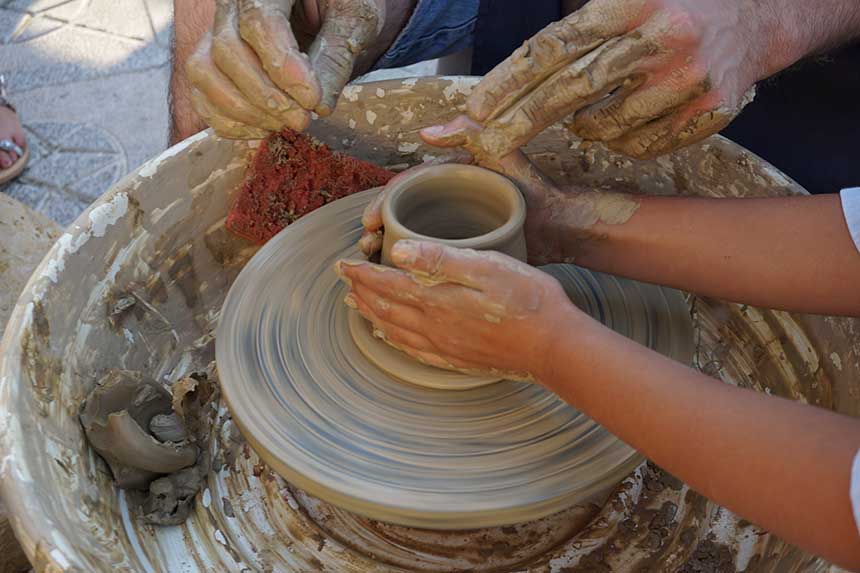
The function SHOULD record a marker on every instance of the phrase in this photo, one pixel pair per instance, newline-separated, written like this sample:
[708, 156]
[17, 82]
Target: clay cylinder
[459, 205]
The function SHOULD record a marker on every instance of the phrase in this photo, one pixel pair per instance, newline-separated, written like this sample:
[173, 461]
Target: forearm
[798, 29]
[191, 20]
[792, 253]
[783, 465]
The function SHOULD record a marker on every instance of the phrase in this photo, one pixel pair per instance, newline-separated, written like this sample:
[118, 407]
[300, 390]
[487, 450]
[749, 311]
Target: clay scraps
[153, 441]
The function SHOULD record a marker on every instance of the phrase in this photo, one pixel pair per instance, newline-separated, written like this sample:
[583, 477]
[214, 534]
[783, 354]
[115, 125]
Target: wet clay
[582, 211]
[348, 27]
[601, 67]
[143, 431]
[116, 417]
[461, 206]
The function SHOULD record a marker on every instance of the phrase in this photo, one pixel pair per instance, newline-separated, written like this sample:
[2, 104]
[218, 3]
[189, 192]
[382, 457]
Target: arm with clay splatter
[783, 465]
[265, 65]
[790, 253]
[649, 76]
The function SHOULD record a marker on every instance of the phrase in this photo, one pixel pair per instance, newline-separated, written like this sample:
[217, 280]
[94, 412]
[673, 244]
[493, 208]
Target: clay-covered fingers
[223, 125]
[386, 318]
[399, 323]
[223, 97]
[473, 311]
[612, 67]
[637, 103]
[371, 220]
[688, 124]
[550, 50]
[462, 131]
[348, 28]
[418, 290]
[465, 132]
[436, 263]
[622, 72]
[238, 61]
[265, 26]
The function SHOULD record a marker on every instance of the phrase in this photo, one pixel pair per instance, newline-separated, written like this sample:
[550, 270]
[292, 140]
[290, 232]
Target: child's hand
[560, 222]
[476, 312]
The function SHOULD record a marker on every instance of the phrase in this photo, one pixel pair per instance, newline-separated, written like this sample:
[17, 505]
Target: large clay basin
[158, 235]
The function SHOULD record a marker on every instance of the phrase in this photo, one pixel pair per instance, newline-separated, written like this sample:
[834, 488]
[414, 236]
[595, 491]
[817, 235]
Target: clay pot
[458, 205]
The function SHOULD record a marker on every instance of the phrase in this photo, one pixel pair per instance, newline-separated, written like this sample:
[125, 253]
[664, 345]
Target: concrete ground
[89, 79]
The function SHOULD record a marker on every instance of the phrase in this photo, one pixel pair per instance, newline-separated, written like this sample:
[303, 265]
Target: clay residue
[152, 440]
[583, 211]
[351, 26]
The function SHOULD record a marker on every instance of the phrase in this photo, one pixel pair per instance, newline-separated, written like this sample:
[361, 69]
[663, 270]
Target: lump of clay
[170, 498]
[119, 416]
[168, 428]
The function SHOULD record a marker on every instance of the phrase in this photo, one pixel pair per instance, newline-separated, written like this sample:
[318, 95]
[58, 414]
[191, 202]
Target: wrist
[779, 38]
[787, 32]
[592, 222]
[569, 335]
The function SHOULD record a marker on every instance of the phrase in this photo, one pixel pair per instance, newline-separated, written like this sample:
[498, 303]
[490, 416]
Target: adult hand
[559, 222]
[459, 309]
[644, 76]
[250, 76]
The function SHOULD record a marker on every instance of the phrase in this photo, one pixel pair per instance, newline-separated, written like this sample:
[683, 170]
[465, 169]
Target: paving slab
[89, 78]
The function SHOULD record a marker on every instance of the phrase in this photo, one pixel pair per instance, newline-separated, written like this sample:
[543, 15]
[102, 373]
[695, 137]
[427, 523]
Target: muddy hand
[644, 76]
[560, 222]
[459, 309]
[348, 28]
[249, 75]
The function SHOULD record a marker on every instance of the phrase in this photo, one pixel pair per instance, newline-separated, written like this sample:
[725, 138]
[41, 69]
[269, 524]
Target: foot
[10, 129]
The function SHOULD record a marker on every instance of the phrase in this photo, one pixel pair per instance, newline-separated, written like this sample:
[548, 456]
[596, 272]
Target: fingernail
[5, 163]
[349, 300]
[434, 130]
[339, 266]
[404, 252]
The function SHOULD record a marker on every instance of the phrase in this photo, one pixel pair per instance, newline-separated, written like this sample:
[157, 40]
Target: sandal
[23, 154]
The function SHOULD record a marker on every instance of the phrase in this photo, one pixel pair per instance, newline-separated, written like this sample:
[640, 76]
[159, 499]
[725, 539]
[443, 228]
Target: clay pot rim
[506, 231]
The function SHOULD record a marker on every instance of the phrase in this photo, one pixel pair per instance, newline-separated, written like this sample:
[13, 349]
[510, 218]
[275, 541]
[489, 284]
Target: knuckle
[223, 44]
[194, 69]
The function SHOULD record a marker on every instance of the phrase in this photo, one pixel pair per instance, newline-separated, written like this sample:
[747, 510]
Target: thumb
[459, 132]
[533, 183]
[349, 26]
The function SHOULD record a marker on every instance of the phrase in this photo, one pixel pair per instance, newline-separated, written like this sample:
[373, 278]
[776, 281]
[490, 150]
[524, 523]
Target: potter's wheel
[336, 425]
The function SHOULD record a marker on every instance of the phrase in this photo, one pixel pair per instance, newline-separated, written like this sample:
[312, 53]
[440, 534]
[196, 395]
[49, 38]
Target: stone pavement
[89, 78]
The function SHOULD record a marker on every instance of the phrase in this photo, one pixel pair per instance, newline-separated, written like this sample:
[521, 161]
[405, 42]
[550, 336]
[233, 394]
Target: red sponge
[291, 175]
